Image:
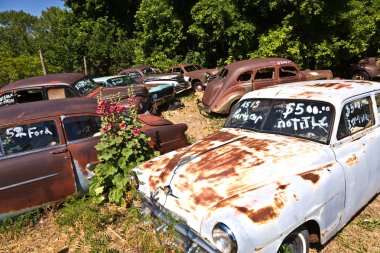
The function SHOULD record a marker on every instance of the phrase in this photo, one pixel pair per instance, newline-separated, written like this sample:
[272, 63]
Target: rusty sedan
[291, 166]
[47, 150]
[238, 78]
[67, 85]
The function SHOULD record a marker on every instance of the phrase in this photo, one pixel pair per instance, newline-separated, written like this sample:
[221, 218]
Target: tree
[158, 34]
[222, 34]
[16, 29]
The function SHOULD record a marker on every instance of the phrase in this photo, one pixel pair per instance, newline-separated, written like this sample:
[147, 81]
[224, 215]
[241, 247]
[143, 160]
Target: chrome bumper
[185, 238]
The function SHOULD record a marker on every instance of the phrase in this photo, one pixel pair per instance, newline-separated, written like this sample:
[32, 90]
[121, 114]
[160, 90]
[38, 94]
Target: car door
[264, 77]
[357, 151]
[82, 133]
[35, 166]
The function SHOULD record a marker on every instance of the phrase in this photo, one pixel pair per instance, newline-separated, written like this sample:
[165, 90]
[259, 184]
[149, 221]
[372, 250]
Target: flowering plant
[122, 147]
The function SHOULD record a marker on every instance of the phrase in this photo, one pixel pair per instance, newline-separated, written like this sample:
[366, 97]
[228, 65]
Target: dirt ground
[360, 235]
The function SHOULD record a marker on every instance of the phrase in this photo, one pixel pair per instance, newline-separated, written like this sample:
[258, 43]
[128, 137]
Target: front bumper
[186, 239]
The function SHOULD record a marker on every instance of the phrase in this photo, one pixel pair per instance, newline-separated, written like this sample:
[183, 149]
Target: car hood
[226, 164]
[163, 76]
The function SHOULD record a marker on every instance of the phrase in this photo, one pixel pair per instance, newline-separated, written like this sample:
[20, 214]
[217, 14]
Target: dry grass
[129, 234]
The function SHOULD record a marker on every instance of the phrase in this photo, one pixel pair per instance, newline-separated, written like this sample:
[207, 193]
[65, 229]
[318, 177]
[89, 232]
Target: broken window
[265, 73]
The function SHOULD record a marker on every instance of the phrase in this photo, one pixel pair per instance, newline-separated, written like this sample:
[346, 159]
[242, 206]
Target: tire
[361, 76]
[198, 86]
[296, 242]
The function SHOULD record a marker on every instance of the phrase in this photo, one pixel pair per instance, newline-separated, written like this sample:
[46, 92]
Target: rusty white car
[291, 166]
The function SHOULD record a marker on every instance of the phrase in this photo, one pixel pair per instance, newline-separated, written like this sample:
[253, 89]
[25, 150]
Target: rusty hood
[226, 164]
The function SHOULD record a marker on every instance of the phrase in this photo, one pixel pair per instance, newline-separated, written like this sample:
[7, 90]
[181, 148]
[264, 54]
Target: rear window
[80, 127]
[28, 137]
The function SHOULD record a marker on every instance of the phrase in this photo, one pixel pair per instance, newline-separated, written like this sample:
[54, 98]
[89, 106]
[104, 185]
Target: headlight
[224, 239]
[207, 75]
[134, 181]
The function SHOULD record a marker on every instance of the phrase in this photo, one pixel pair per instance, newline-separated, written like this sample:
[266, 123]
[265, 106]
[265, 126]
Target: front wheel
[296, 242]
[198, 87]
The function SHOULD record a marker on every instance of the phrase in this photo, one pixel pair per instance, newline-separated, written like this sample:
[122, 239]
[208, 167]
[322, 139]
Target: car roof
[46, 108]
[333, 91]
[51, 79]
[257, 62]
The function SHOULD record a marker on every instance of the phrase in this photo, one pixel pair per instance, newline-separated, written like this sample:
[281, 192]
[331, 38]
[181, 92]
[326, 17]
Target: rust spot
[226, 202]
[295, 197]
[262, 215]
[310, 176]
[331, 85]
[282, 186]
[307, 94]
[351, 160]
[224, 173]
[206, 197]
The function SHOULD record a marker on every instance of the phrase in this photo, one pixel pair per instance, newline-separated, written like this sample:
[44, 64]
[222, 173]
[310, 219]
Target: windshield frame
[261, 130]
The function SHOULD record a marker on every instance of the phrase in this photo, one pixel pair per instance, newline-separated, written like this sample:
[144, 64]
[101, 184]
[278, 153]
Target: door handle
[59, 151]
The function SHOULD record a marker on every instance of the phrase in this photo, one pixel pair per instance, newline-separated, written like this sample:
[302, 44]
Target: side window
[177, 70]
[25, 96]
[7, 99]
[28, 137]
[134, 74]
[69, 93]
[356, 116]
[288, 71]
[266, 73]
[80, 127]
[246, 76]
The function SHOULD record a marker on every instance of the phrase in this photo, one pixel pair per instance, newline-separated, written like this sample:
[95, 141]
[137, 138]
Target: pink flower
[136, 131]
[123, 126]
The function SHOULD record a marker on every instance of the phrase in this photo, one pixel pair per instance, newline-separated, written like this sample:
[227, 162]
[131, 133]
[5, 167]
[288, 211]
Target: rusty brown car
[194, 74]
[47, 150]
[66, 85]
[366, 69]
[241, 77]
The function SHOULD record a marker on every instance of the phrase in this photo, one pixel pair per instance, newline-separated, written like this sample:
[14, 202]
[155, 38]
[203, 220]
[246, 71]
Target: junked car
[291, 166]
[67, 85]
[149, 75]
[194, 74]
[159, 93]
[238, 78]
[366, 69]
[47, 150]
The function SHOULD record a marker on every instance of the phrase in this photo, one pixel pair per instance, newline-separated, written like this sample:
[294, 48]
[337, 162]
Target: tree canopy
[119, 33]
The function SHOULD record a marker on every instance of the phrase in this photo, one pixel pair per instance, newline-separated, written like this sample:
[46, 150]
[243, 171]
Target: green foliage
[13, 68]
[122, 147]
[85, 221]
[15, 225]
[221, 33]
[158, 34]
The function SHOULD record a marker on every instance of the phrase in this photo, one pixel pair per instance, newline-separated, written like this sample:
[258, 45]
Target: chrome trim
[229, 233]
[22, 153]
[28, 182]
[183, 229]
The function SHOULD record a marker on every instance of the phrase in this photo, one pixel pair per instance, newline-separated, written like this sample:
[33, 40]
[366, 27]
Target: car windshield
[85, 86]
[299, 118]
[121, 81]
[192, 68]
[151, 71]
